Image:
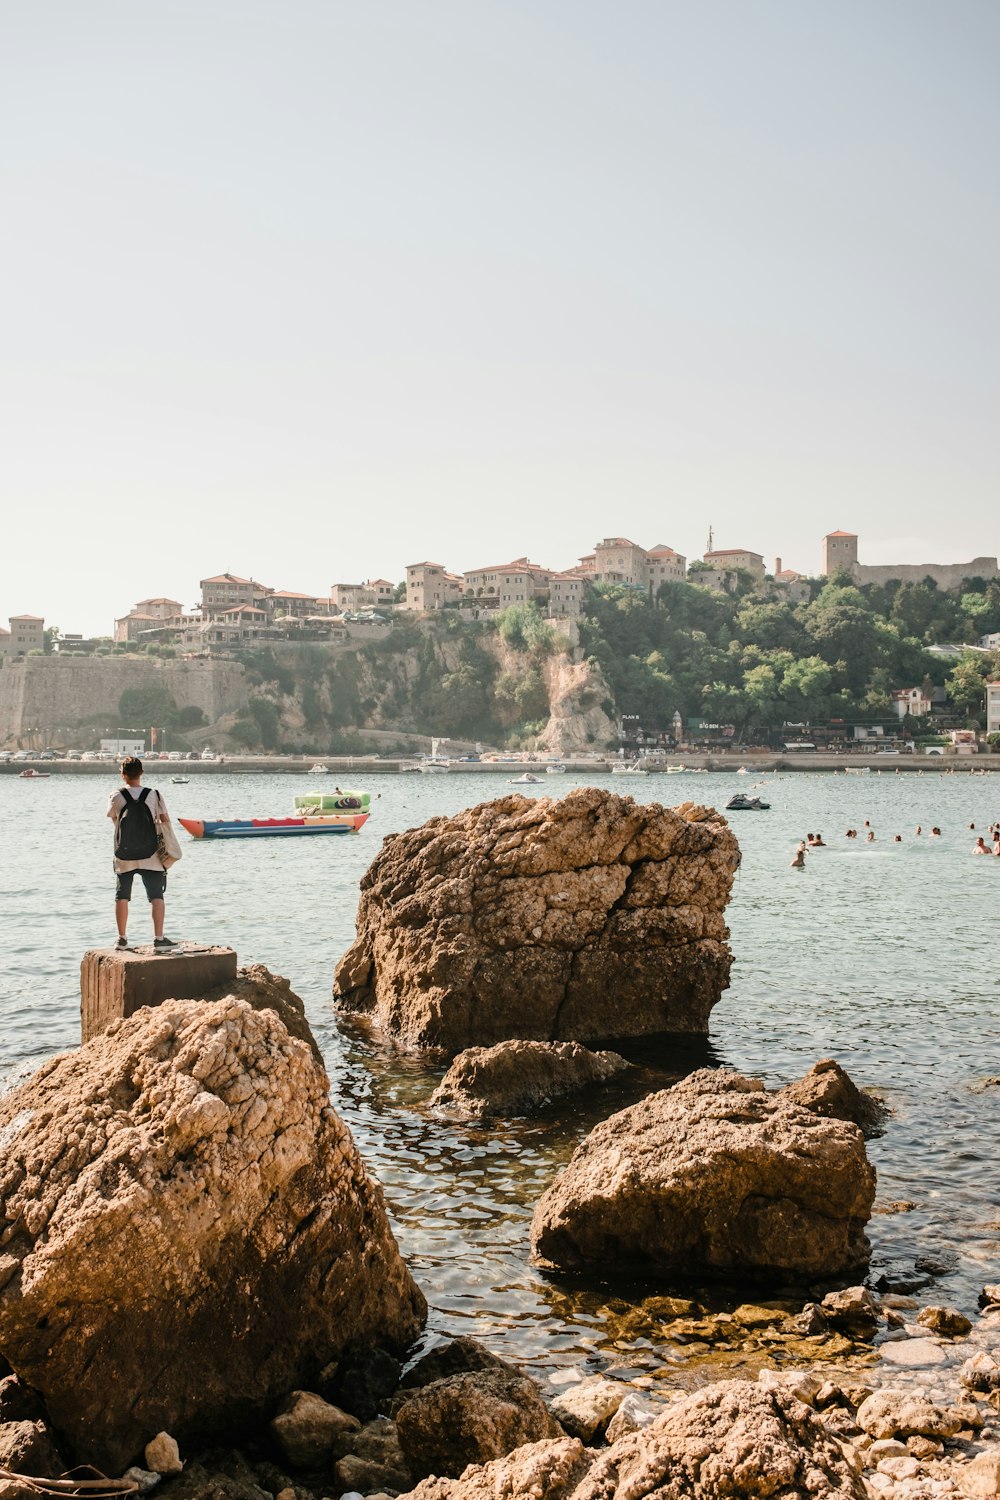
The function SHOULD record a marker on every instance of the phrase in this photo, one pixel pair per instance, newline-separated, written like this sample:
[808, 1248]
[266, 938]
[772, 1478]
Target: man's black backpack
[135, 832]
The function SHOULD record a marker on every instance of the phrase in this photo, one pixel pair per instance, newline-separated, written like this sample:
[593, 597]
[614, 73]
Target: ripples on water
[883, 956]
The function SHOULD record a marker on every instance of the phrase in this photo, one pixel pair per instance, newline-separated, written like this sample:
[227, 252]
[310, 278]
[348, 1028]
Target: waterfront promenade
[344, 765]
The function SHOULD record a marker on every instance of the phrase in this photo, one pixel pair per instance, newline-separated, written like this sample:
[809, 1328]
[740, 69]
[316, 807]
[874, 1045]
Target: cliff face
[436, 677]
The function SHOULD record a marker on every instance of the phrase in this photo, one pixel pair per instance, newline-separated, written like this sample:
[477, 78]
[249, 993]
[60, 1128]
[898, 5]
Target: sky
[308, 290]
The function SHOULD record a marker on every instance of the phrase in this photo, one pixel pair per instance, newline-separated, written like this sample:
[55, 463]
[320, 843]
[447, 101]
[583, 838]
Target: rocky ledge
[576, 919]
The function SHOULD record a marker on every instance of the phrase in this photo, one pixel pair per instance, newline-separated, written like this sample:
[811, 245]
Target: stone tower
[840, 550]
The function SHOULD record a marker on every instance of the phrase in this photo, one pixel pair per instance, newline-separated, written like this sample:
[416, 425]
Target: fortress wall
[49, 693]
[945, 575]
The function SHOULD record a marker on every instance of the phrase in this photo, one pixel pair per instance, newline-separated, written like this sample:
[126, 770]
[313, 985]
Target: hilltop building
[377, 593]
[429, 585]
[840, 550]
[26, 633]
[497, 587]
[617, 560]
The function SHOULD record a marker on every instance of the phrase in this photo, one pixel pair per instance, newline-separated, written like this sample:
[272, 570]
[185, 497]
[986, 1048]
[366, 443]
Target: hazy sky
[311, 289]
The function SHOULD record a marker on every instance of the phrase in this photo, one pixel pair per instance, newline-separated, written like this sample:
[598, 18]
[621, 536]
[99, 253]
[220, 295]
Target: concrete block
[115, 983]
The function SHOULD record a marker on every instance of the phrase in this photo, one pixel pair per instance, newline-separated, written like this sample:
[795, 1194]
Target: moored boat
[32, 775]
[336, 801]
[630, 770]
[556, 769]
[742, 803]
[250, 828]
[526, 780]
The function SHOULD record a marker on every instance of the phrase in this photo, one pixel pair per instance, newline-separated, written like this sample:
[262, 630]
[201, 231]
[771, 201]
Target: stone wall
[945, 575]
[46, 694]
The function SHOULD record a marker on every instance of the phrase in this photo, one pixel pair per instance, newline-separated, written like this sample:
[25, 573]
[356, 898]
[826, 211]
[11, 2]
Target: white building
[993, 708]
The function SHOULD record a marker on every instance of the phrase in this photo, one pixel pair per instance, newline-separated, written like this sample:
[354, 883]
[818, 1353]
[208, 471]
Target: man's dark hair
[131, 767]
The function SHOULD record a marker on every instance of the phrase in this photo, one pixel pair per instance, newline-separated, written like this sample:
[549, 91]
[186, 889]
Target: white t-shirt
[157, 807]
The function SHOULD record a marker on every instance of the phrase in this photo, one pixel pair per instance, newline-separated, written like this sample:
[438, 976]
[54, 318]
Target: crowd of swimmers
[816, 841]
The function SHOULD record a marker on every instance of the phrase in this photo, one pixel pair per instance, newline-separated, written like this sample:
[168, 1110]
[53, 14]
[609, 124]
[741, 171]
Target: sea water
[881, 955]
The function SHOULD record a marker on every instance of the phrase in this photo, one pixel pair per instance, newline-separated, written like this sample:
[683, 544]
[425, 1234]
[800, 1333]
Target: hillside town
[233, 610]
[236, 614]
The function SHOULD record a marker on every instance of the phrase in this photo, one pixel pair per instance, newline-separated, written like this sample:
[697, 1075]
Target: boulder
[853, 1311]
[307, 1428]
[516, 1078]
[716, 1176]
[633, 1414]
[372, 1460]
[189, 1230]
[947, 1322]
[574, 919]
[726, 1442]
[585, 1409]
[29, 1448]
[469, 1419]
[981, 1372]
[828, 1091]
[981, 1477]
[901, 1414]
[456, 1356]
[163, 1456]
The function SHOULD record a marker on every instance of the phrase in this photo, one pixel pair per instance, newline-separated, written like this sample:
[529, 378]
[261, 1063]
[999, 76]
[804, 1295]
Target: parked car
[4, 756]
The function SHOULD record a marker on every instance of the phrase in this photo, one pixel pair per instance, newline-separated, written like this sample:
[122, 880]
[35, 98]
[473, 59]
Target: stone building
[26, 633]
[299, 606]
[226, 591]
[729, 559]
[430, 586]
[567, 592]
[503, 584]
[377, 593]
[617, 560]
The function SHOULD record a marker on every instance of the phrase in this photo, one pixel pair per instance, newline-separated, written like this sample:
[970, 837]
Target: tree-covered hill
[757, 661]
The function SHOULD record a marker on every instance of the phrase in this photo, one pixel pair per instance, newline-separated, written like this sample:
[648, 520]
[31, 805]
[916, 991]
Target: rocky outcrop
[716, 1176]
[727, 1442]
[517, 1078]
[470, 1419]
[591, 916]
[188, 1230]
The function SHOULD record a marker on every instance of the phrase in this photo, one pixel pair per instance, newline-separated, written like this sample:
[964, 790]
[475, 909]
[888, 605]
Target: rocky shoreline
[201, 1294]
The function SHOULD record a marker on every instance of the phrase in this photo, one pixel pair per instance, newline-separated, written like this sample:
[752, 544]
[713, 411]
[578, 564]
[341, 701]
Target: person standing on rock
[135, 811]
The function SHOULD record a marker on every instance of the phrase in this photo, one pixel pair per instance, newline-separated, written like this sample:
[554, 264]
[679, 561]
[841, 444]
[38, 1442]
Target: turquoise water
[883, 956]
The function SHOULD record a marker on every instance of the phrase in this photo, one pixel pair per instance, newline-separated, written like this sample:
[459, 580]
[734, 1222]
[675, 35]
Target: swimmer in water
[980, 847]
[799, 858]
[935, 833]
[918, 830]
[898, 838]
[870, 837]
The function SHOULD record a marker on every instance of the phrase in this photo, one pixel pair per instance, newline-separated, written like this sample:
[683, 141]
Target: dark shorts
[155, 882]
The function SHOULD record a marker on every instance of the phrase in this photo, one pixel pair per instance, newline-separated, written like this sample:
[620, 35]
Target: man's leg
[123, 890]
[155, 882]
[158, 907]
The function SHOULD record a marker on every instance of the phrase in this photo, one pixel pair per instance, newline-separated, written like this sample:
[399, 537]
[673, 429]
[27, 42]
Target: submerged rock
[591, 916]
[189, 1230]
[716, 1175]
[730, 1440]
[515, 1078]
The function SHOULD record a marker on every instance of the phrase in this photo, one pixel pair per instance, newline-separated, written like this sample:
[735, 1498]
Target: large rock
[515, 1078]
[712, 1176]
[547, 920]
[471, 1418]
[727, 1442]
[188, 1230]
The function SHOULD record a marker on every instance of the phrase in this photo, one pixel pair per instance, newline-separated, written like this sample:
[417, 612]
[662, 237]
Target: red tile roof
[842, 533]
